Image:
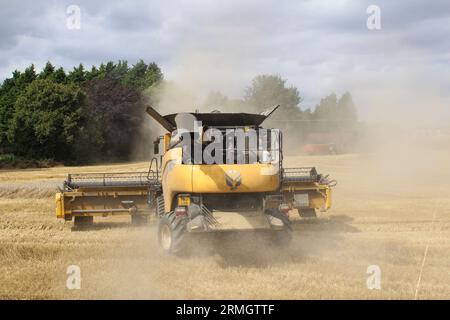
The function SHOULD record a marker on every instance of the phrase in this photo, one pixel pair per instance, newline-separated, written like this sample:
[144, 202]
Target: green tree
[77, 75]
[120, 71]
[333, 113]
[93, 73]
[119, 112]
[346, 109]
[153, 75]
[109, 68]
[47, 72]
[60, 76]
[142, 76]
[327, 108]
[48, 116]
[47, 120]
[269, 90]
[9, 92]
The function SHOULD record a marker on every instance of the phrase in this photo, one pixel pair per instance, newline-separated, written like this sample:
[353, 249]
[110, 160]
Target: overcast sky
[318, 46]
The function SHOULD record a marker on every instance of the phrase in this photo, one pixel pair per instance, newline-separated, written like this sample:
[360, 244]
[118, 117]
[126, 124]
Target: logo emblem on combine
[233, 179]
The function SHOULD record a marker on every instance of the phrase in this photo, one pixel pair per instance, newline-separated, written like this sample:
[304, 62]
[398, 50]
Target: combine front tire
[171, 233]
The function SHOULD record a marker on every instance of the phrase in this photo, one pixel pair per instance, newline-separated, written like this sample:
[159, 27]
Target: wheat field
[389, 212]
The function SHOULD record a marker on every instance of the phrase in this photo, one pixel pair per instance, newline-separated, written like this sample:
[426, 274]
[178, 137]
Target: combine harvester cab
[241, 186]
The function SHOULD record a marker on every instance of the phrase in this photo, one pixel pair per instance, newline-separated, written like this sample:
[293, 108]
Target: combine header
[212, 172]
[86, 195]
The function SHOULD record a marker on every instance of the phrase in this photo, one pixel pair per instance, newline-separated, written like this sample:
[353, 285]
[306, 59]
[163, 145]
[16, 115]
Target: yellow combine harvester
[213, 172]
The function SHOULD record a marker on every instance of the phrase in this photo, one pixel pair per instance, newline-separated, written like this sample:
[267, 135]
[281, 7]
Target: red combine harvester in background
[320, 143]
[324, 143]
[319, 149]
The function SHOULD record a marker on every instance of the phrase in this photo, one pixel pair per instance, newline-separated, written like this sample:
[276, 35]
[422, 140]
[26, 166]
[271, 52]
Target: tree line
[86, 116]
[79, 116]
[333, 116]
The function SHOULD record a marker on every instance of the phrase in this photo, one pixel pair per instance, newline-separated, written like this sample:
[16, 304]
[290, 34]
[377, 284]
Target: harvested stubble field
[386, 212]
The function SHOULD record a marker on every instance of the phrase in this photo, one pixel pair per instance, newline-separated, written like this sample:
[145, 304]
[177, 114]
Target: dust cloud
[406, 130]
[398, 171]
[221, 58]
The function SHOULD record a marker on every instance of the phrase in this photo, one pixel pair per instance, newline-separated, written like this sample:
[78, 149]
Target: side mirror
[156, 147]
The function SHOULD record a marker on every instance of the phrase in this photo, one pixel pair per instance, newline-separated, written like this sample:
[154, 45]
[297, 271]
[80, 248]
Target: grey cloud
[319, 46]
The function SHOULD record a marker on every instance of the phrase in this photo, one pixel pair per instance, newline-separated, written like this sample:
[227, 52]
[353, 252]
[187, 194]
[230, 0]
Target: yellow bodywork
[247, 192]
[319, 195]
[202, 178]
[100, 202]
[177, 179]
[59, 205]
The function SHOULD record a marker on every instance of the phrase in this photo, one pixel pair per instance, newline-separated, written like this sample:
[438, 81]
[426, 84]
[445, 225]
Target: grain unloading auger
[213, 172]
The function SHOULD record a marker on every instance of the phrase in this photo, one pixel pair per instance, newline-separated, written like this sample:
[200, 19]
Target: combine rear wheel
[171, 233]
